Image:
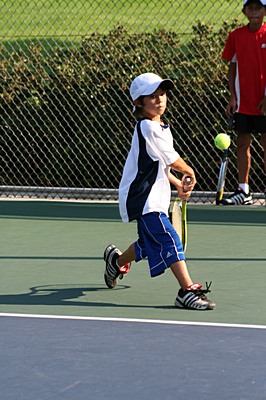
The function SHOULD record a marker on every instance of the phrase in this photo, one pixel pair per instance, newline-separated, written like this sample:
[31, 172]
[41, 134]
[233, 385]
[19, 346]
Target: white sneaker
[194, 298]
[239, 197]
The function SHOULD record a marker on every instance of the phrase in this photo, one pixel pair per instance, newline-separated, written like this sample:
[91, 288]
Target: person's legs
[159, 242]
[128, 256]
[243, 156]
[180, 271]
[118, 263]
[244, 125]
[179, 268]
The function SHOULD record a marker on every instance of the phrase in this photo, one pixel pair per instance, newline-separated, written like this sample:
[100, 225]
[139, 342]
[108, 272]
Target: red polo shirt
[248, 50]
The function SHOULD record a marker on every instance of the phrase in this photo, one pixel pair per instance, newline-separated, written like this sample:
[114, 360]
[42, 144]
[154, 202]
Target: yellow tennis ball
[222, 141]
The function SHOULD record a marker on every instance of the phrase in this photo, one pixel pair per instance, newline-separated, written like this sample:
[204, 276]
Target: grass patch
[67, 19]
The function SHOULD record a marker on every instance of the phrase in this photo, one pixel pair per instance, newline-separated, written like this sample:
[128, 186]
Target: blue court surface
[64, 335]
[54, 358]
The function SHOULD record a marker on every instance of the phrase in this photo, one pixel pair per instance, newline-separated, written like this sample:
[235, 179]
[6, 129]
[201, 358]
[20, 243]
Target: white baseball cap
[263, 2]
[148, 83]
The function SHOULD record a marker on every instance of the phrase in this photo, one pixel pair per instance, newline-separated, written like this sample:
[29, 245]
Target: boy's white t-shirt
[144, 186]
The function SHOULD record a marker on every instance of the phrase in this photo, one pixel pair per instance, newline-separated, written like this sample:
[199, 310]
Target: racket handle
[187, 183]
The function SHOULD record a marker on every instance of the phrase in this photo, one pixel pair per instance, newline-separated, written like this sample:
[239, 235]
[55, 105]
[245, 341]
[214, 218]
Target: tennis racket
[224, 165]
[178, 214]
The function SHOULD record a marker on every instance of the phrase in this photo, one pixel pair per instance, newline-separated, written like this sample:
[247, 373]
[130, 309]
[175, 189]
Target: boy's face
[154, 105]
[255, 13]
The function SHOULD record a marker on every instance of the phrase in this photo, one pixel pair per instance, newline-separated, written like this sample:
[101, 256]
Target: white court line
[135, 320]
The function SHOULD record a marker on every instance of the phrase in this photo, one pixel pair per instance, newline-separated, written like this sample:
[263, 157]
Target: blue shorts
[158, 241]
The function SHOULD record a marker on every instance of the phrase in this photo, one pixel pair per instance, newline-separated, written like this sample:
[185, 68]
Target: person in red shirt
[245, 49]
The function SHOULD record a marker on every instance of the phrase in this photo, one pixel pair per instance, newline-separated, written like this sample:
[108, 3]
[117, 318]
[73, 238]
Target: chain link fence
[66, 117]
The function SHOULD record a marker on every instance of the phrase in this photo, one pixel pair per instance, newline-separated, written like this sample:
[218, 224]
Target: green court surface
[51, 263]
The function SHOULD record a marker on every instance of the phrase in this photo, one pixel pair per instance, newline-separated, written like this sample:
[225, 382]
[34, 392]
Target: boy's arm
[178, 185]
[231, 105]
[181, 166]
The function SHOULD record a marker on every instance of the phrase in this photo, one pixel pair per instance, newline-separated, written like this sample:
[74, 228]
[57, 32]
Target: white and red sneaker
[194, 298]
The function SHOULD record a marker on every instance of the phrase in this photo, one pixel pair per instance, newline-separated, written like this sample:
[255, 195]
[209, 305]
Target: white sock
[244, 186]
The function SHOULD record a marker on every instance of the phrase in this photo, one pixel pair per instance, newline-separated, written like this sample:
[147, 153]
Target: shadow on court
[54, 296]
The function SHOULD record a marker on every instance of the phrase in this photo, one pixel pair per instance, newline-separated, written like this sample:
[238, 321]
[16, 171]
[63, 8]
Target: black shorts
[250, 123]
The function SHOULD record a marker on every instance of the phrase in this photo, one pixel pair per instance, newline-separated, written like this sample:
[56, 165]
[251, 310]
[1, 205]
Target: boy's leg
[127, 257]
[180, 271]
[163, 248]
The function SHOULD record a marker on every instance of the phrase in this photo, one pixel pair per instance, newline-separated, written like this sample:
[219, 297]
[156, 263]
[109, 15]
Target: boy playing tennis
[245, 48]
[145, 192]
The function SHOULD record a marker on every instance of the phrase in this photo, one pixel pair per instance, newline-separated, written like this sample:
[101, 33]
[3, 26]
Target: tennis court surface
[64, 335]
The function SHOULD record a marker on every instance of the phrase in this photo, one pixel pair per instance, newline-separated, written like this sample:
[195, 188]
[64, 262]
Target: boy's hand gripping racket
[178, 214]
[224, 165]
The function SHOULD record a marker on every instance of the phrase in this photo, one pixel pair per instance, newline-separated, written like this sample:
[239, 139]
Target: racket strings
[175, 215]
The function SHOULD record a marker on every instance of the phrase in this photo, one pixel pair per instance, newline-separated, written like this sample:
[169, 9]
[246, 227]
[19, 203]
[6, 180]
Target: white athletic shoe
[194, 298]
[239, 197]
